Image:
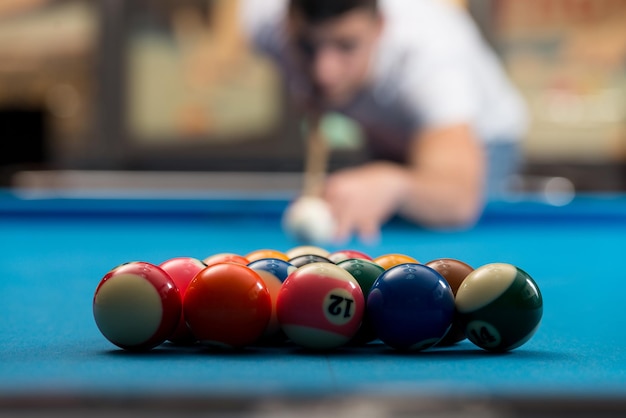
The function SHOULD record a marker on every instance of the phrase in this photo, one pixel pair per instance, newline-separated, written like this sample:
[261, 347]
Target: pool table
[57, 245]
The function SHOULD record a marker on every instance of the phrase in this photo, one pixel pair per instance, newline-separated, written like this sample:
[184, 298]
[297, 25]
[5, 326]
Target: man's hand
[364, 198]
[440, 187]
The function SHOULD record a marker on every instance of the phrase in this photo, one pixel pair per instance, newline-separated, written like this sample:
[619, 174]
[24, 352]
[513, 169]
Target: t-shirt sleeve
[261, 23]
[441, 93]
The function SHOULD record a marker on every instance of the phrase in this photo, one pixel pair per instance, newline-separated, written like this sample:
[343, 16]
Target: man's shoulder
[257, 16]
[426, 23]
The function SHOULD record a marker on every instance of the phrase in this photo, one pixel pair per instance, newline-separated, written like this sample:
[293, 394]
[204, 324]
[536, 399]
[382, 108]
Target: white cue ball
[309, 220]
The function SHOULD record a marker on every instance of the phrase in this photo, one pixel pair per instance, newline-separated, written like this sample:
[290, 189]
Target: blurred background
[171, 86]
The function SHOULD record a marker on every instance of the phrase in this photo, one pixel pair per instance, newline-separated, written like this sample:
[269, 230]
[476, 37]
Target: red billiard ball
[137, 306]
[320, 306]
[227, 305]
[225, 258]
[274, 272]
[499, 306]
[182, 270]
[342, 255]
[411, 307]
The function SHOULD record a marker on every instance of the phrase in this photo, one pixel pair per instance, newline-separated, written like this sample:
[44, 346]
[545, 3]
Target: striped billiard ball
[320, 306]
[499, 306]
[137, 306]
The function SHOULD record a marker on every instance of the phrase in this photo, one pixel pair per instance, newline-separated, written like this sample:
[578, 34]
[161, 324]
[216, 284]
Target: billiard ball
[265, 253]
[227, 305]
[454, 271]
[303, 259]
[320, 306]
[309, 220]
[137, 306]
[341, 255]
[393, 259]
[274, 272]
[500, 306]
[307, 250]
[182, 270]
[411, 307]
[365, 272]
[225, 258]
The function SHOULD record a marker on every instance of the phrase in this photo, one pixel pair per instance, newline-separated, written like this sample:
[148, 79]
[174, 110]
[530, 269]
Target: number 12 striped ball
[499, 306]
[320, 306]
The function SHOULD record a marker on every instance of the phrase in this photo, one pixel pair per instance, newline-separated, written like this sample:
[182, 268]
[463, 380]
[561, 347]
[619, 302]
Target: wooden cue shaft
[316, 163]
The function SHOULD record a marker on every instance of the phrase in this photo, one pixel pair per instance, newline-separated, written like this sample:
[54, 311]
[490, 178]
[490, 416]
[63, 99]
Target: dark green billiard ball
[499, 306]
[365, 272]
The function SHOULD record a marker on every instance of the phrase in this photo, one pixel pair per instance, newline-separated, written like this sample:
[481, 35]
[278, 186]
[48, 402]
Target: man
[441, 120]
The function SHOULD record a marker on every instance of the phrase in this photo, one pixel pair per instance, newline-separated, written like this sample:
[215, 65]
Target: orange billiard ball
[388, 261]
[227, 305]
[320, 306]
[265, 253]
[137, 306]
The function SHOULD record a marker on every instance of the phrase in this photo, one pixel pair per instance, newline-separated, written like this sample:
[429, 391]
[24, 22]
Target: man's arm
[442, 186]
[446, 178]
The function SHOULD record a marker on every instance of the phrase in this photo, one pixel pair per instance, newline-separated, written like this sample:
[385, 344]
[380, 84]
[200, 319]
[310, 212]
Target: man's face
[336, 54]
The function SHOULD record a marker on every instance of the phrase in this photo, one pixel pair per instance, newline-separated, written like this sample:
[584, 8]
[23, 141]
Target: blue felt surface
[52, 259]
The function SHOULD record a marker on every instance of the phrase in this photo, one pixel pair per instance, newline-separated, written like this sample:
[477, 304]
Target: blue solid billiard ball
[411, 307]
[274, 272]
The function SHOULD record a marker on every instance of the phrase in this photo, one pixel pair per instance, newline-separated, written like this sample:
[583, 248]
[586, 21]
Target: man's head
[335, 41]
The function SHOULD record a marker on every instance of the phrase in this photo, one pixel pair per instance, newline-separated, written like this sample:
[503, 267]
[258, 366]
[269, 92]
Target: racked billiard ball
[387, 261]
[320, 306]
[227, 305]
[306, 250]
[411, 307]
[274, 272]
[341, 255]
[265, 253]
[365, 272]
[303, 259]
[225, 258]
[137, 306]
[182, 270]
[500, 306]
[454, 271]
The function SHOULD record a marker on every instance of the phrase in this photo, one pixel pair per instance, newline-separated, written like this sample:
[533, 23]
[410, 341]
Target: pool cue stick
[316, 161]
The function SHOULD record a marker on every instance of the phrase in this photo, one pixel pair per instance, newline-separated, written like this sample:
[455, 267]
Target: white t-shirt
[432, 68]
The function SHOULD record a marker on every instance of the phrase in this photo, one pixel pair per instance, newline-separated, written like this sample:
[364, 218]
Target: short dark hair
[318, 11]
